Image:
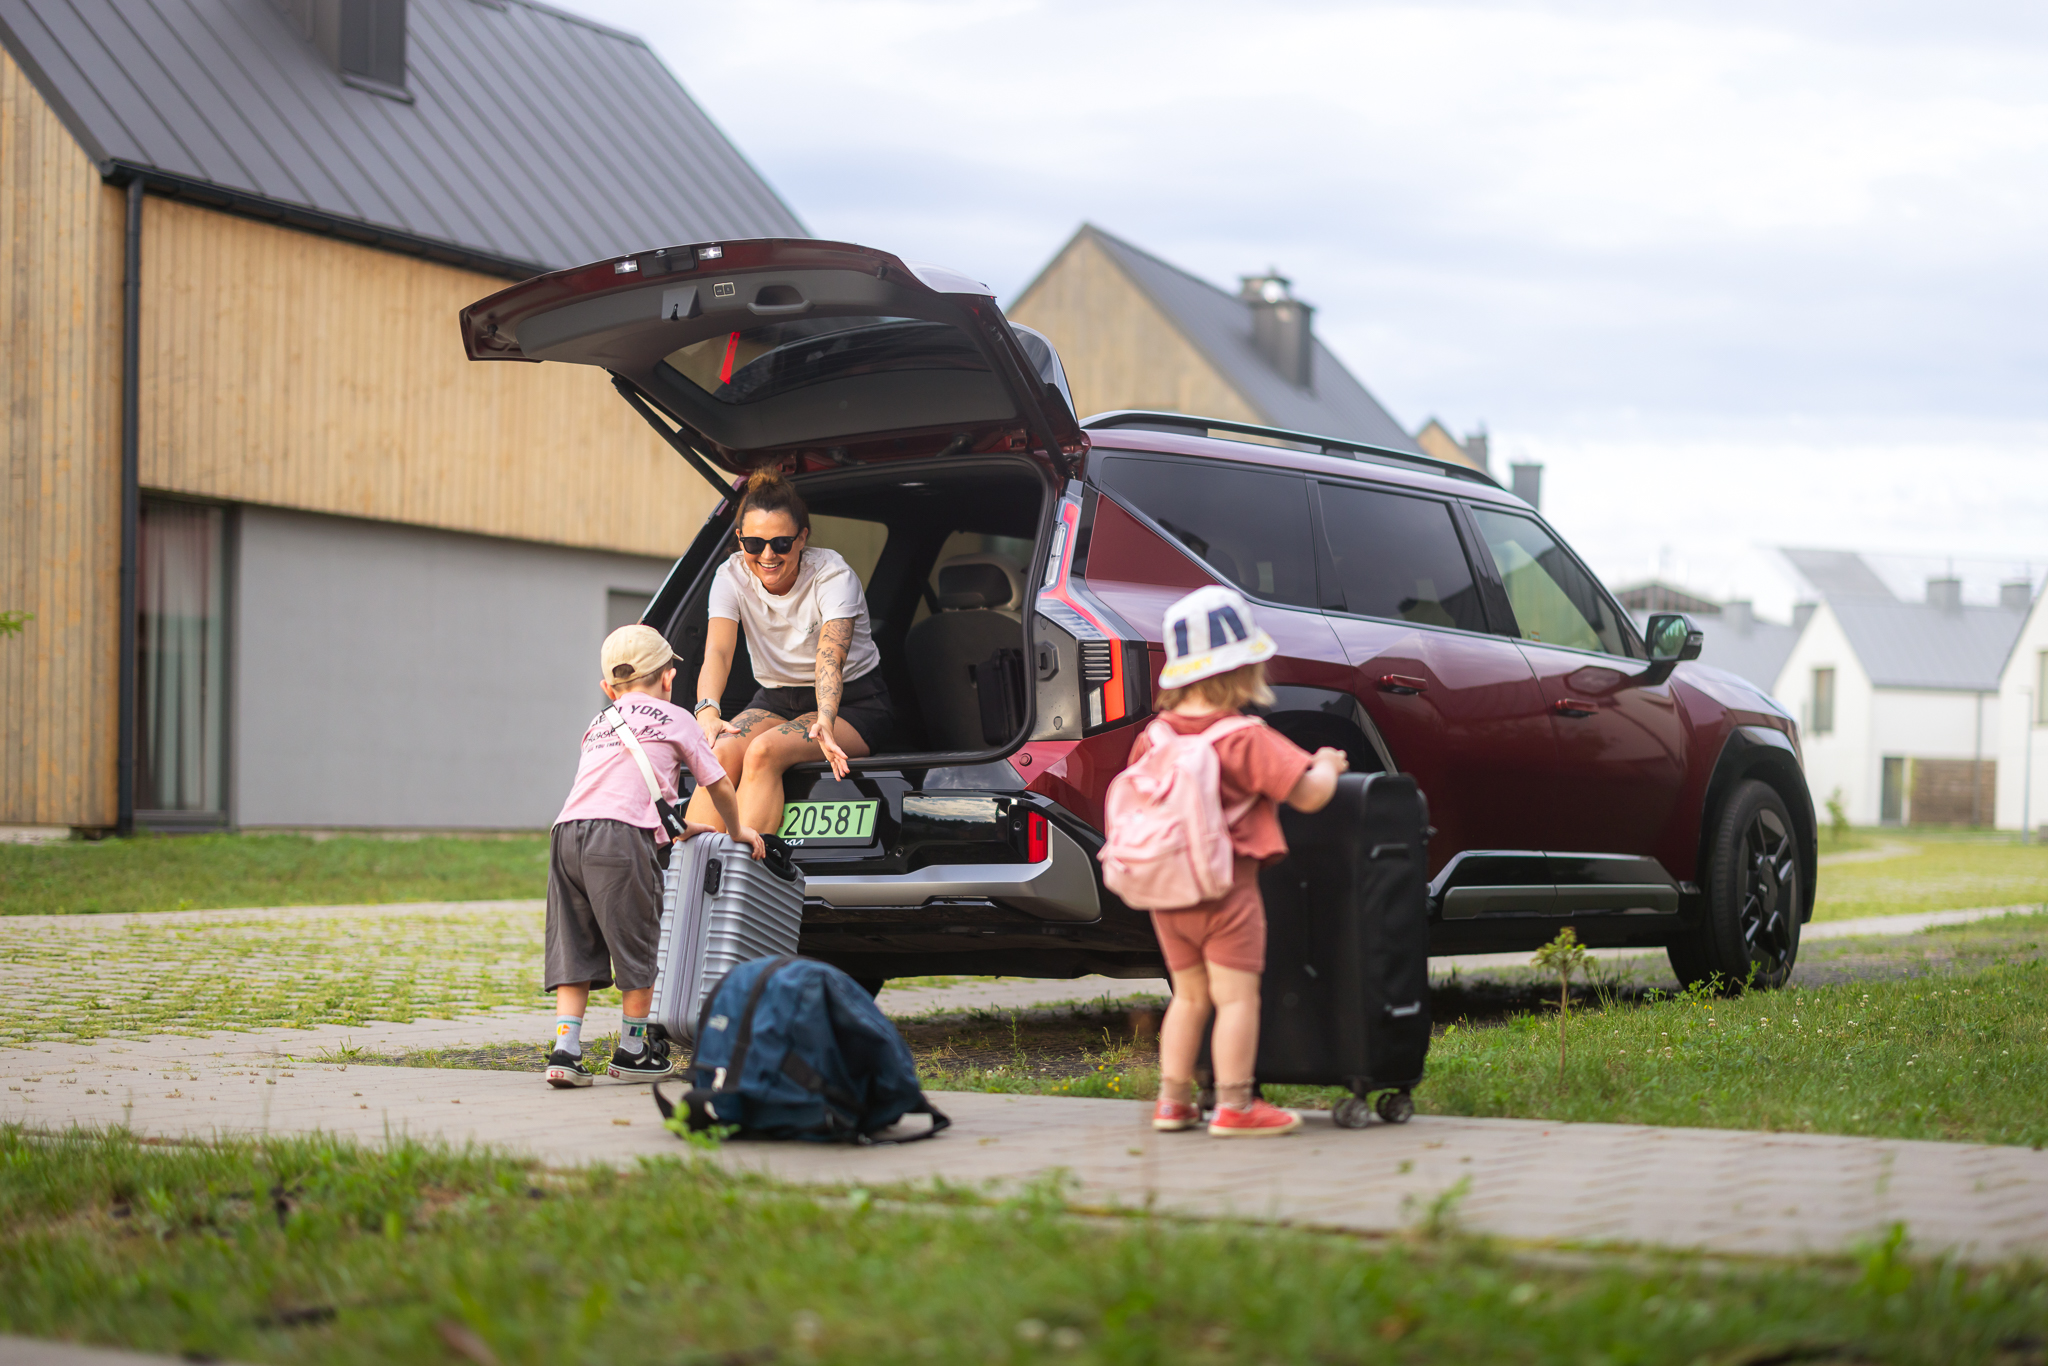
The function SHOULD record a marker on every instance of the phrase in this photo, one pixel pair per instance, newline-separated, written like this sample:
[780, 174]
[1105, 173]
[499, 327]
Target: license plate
[810, 824]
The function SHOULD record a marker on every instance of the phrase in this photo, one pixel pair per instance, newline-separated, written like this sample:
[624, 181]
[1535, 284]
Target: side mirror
[1672, 639]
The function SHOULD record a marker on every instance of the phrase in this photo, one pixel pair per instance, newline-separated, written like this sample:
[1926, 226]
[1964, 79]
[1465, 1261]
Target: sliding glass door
[181, 665]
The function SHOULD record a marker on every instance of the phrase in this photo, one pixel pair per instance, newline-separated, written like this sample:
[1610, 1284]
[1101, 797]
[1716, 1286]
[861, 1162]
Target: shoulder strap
[1231, 814]
[617, 721]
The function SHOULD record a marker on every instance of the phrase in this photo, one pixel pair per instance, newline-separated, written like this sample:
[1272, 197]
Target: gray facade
[390, 676]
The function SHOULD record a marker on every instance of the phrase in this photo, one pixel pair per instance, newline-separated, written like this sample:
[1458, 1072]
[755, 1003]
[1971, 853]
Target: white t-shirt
[782, 632]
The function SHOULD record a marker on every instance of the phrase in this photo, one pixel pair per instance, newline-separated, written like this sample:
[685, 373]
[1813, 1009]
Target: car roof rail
[1328, 445]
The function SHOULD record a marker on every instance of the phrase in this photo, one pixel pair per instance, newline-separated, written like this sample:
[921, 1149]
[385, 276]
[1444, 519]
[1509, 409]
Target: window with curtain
[181, 658]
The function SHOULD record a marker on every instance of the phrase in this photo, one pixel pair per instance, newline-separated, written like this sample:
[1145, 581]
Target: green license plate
[814, 823]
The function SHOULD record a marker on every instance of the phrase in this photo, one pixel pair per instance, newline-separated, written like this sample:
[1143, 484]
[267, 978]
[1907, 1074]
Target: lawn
[1932, 873]
[191, 872]
[306, 1251]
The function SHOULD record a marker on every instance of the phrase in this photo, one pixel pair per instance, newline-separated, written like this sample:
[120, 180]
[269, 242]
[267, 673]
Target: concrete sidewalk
[1720, 1191]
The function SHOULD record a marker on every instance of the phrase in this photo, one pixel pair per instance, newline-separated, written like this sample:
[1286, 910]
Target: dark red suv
[1018, 563]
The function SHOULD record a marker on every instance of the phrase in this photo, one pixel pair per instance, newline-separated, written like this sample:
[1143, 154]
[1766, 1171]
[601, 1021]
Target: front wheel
[1749, 933]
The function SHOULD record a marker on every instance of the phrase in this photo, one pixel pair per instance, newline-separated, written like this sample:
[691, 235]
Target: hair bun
[763, 478]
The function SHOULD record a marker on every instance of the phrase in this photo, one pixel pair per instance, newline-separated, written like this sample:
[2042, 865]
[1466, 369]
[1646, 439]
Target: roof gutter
[131, 503]
[246, 205]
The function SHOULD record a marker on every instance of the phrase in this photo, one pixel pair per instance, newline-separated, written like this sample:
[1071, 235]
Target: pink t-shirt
[608, 784]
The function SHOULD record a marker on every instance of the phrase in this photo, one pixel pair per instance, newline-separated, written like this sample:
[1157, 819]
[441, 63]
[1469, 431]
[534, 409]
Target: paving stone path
[1721, 1191]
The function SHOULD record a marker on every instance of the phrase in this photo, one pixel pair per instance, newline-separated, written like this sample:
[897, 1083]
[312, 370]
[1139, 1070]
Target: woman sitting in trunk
[820, 693]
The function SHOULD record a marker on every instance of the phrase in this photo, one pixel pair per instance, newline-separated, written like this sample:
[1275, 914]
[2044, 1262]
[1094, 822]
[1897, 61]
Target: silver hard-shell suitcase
[719, 908]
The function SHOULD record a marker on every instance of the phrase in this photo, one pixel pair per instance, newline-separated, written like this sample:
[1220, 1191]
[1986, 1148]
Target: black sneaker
[651, 1063]
[565, 1071]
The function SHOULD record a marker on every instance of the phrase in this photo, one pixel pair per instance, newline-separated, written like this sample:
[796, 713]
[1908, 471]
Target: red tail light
[1037, 846]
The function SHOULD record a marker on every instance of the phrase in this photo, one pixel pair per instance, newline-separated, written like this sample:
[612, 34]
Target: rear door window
[1553, 599]
[1400, 558]
[1250, 526]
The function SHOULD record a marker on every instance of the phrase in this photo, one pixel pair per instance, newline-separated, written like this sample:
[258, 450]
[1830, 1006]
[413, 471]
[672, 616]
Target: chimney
[1280, 326]
[1740, 615]
[1476, 450]
[364, 40]
[1527, 483]
[2016, 595]
[1947, 594]
[1802, 612]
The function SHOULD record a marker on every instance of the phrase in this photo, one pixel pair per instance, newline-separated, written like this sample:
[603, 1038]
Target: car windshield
[764, 362]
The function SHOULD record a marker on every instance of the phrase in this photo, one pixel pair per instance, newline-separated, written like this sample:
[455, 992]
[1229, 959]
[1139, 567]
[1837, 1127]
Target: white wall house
[1899, 703]
[2023, 703]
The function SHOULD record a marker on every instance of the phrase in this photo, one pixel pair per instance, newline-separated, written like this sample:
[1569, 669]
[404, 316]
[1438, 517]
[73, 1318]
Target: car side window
[1400, 557]
[1252, 526]
[1554, 601]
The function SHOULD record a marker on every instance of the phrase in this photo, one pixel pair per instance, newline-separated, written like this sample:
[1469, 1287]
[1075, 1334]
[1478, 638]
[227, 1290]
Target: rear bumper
[1060, 887]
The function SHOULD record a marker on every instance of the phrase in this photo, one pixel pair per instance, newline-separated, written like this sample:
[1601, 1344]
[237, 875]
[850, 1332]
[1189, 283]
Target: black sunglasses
[754, 545]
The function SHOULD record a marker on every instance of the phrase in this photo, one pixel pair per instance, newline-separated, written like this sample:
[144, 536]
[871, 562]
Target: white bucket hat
[1211, 631]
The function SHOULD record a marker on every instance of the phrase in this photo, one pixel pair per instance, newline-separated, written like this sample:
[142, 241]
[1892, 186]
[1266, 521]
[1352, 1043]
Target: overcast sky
[1740, 274]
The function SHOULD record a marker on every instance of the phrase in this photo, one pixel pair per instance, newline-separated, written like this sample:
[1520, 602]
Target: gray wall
[392, 676]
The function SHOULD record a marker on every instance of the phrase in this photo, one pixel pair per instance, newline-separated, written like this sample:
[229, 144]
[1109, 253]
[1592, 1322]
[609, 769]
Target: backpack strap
[701, 1103]
[1231, 726]
[940, 1123]
[617, 721]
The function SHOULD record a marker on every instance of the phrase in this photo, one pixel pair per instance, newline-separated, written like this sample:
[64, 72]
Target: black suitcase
[1345, 998]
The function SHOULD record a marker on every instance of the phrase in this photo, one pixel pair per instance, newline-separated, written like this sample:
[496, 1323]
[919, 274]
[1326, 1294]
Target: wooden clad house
[292, 561]
[1136, 332]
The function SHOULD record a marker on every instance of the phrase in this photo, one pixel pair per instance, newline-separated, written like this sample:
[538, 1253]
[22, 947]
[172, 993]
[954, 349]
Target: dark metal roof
[534, 139]
[1219, 325]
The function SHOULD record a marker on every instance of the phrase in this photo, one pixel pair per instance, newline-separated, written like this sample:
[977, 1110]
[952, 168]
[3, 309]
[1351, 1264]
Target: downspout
[1977, 770]
[131, 500]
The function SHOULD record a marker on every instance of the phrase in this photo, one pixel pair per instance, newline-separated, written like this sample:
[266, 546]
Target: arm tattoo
[833, 642]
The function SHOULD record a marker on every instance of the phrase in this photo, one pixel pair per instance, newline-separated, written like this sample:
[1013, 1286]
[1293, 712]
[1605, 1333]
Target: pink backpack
[1169, 836]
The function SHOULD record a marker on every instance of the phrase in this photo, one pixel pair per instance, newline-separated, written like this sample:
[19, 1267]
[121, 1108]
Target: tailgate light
[1115, 669]
[1037, 844]
[732, 349]
[710, 253]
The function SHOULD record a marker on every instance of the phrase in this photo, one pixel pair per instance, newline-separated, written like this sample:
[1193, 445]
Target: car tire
[871, 985]
[1748, 934]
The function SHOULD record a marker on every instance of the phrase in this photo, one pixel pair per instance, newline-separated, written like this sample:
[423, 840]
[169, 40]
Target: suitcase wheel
[1352, 1112]
[1395, 1107]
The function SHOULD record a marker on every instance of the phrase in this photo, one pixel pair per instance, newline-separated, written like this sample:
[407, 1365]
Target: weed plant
[197, 872]
[310, 1251]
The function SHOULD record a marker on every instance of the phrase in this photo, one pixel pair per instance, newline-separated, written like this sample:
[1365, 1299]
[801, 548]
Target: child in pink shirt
[604, 874]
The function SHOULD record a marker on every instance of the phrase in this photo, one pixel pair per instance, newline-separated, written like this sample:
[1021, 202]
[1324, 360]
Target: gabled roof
[1839, 575]
[1219, 325]
[534, 139]
[1910, 644]
[1918, 645]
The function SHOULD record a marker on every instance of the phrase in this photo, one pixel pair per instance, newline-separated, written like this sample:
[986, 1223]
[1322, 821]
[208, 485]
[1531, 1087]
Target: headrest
[972, 581]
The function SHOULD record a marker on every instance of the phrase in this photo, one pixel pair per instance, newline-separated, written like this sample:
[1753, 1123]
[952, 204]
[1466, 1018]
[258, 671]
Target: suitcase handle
[779, 861]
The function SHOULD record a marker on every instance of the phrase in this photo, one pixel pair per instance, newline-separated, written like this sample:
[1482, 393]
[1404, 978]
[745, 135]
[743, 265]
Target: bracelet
[702, 703]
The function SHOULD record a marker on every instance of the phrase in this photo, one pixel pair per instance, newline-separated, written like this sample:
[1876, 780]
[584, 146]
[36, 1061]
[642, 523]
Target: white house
[2023, 740]
[1899, 702]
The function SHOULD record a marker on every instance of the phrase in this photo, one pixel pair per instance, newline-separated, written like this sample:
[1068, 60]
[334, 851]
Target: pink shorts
[1229, 931]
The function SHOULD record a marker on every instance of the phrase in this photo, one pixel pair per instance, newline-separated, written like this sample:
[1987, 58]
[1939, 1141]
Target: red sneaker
[1171, 1116]
[1259, 1121]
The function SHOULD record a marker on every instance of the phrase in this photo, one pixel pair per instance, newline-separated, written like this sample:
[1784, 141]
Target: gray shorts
[604, 905]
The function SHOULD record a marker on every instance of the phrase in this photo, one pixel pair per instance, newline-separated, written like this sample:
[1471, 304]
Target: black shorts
[863, 704]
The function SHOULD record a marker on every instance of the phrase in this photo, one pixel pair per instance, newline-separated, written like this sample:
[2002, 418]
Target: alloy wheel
[1769, 893]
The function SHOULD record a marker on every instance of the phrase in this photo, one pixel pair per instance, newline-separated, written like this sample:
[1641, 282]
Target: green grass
[308, 1251]
[1935, 873]
[192, 872]
[1960, 1055]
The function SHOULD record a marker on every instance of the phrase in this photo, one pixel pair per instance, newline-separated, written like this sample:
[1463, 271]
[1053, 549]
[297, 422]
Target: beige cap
[632, 653]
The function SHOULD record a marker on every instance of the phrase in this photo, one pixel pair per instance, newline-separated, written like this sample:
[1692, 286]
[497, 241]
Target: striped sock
[569, 1035]
[633, 1033]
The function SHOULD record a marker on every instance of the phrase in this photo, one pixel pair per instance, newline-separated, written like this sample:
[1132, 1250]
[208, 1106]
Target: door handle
[1403, 685]
[1566, 706]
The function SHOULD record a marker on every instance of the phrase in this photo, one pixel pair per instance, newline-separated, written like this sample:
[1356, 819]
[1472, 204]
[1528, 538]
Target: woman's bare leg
[770, 754]
[730, 751]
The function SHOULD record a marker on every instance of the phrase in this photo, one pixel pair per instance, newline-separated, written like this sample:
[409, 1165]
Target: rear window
[773, 359]
[1251, 526]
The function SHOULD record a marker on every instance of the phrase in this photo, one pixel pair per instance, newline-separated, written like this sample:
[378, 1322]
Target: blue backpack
[794, 1048]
